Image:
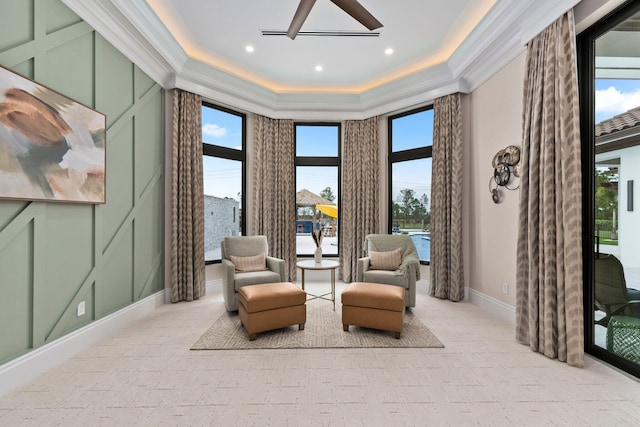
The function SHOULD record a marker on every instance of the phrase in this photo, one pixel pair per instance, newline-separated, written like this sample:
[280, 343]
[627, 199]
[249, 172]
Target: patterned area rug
[322, 330]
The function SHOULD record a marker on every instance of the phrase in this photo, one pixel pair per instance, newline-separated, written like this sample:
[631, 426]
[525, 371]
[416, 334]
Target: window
[317, 186]
[410, 146]
[609, 76]
[223, 172]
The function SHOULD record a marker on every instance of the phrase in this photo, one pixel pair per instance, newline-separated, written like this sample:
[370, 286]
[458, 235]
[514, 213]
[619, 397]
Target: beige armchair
[405, 274]
[253, 266]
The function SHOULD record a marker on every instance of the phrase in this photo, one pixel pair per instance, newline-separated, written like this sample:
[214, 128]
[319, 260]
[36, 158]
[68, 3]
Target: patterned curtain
[360, 191]
[549, 278]
[187, 204]
[447, 275]
[274, 198]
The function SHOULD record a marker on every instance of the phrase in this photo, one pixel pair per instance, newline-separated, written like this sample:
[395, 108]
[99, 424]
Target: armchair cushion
[386, 276]
[249, 263]
[388, 260]
[255, 278]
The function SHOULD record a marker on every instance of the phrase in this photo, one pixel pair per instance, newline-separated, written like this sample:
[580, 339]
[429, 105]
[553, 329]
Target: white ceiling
[421, 33]
[440, 47]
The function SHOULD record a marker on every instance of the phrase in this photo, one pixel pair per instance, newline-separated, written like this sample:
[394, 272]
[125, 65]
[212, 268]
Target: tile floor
[145, 375]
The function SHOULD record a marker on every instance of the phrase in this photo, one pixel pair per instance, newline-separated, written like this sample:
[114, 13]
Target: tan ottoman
[271, 306]
[373, 305]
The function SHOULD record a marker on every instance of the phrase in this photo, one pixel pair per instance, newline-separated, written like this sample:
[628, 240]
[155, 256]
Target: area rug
[322, 330]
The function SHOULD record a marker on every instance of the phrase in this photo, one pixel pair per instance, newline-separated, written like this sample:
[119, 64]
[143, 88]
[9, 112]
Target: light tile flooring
[145, 375]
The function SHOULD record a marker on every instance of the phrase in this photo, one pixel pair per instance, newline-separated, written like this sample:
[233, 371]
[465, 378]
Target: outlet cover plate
[81, 309]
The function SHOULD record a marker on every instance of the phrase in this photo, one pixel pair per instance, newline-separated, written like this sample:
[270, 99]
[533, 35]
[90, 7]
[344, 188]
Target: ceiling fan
[352, 7]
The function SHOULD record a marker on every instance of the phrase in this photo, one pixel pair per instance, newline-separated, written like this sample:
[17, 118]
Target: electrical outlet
[80, 310]
[505, 288]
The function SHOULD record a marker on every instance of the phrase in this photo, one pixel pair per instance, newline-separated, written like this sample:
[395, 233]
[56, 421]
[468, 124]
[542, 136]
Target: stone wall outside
[221, 219]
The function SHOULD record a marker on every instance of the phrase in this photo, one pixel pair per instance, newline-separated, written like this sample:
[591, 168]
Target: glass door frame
[586, 81]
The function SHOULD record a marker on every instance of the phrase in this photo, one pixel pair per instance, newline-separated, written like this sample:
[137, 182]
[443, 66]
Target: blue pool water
[423, 245]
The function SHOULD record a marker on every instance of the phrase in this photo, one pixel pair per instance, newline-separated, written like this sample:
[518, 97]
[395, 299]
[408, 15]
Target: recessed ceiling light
[318, 67]
[249, 48]
[388, 51]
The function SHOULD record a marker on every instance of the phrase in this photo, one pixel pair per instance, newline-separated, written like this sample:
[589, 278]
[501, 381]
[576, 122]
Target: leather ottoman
[373, 305]
[271, 306]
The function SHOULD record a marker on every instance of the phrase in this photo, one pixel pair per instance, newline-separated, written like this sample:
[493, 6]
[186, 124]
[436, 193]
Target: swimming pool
[423, 245]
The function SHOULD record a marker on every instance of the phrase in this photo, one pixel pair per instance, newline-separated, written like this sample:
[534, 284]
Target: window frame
[227, 153]
[586, 83]
[320, 161]
[424, 152]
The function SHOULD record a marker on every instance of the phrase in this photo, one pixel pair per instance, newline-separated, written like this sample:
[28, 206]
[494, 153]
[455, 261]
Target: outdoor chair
[246, 261]
[393, 260]
[611, 293]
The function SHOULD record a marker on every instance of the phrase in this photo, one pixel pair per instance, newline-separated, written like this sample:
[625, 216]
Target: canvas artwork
[52, 148]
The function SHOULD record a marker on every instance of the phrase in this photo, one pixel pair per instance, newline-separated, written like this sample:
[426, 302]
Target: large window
[223, 172]
[610, 105]
[317, 186]
[410, 145]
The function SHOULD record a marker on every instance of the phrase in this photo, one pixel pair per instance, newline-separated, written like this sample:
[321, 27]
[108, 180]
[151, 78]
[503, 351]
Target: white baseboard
[23, 369]
[492, 305]
[213, 286]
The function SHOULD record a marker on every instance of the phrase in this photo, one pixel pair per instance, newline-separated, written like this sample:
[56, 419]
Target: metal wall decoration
[505, 171]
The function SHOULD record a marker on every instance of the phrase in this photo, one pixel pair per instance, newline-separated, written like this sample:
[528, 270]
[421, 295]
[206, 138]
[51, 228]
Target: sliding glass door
[610, 85]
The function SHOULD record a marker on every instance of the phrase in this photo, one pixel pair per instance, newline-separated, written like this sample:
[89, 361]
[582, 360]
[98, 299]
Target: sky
[615, 96]
[412, 131]
[317, 141]
[222, 177]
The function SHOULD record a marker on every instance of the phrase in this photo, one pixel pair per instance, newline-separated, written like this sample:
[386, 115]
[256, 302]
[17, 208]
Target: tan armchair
[246, 248]
[404, 275]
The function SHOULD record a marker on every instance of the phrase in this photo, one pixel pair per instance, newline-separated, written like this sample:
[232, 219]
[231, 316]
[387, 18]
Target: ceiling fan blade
[359, 13]
[298, 19]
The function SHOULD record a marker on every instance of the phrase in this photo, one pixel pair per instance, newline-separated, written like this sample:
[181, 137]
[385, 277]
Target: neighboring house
[221, 219]
[618, 147]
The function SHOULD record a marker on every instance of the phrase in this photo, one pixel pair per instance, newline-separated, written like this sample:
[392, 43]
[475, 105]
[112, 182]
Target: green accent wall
[55, 255]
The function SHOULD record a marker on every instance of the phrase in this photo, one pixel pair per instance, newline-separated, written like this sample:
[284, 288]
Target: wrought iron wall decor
[505, 171]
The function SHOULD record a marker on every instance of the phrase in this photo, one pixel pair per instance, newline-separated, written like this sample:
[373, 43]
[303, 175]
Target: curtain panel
[187, 200]
[274, 200]
[549, 306]
[360, 191]
[447, 273]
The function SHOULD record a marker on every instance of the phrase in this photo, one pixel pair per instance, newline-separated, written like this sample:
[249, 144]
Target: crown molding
[417, 88]
[116, 28]
[491, 31]
[153, 30]
[536, 18]
[221, 87]
[133, 28]
[502, 35]
[494, 57]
